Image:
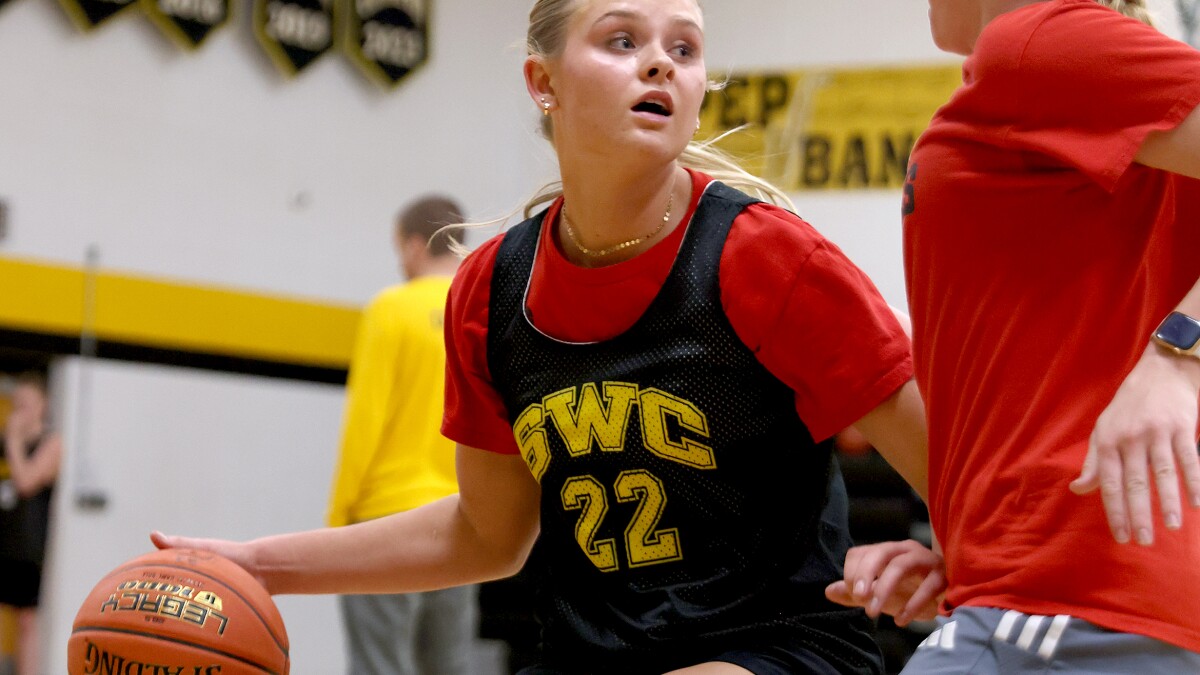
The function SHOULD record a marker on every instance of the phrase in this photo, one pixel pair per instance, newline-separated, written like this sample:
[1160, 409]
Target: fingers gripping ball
[178, 612]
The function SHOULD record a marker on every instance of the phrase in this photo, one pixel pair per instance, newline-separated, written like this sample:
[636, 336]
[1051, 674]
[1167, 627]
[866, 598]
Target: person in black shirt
[31, 459]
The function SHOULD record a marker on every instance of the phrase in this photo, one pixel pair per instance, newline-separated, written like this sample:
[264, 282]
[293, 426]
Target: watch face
[1179, 331]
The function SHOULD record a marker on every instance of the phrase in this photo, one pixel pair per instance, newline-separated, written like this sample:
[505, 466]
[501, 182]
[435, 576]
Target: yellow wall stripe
[45, 297]
[42, 298]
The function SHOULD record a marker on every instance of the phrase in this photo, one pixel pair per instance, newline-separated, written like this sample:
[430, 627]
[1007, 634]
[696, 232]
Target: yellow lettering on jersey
[587, 494]
[655, 405]
[531, 439]
[592, 419]
[643, 544]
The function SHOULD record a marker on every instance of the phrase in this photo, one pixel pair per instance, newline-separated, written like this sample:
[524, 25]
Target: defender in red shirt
[1052, 264]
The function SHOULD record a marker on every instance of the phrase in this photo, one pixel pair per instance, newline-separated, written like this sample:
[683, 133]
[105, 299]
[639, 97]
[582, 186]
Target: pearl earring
[545, 106]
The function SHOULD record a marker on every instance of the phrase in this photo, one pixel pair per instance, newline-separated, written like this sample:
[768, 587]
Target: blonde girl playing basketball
[642, 380]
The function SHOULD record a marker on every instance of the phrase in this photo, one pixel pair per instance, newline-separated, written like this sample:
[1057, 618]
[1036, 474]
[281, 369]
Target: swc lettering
[584, 418]
[97, 661]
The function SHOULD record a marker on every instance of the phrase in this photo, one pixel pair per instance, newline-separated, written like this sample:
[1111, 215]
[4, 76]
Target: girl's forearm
[427, 548]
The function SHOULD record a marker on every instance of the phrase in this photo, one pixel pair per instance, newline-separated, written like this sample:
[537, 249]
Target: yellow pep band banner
[47, 298]
[828, 128]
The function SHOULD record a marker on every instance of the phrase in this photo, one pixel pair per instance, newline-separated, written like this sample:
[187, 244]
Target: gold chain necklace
[623, 245]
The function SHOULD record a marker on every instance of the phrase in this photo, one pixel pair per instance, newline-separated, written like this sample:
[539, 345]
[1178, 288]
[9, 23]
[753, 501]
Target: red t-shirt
[814, 320]
[1039, 258]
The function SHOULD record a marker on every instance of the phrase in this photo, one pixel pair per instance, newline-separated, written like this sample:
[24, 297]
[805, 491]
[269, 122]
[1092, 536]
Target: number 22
[643, 544]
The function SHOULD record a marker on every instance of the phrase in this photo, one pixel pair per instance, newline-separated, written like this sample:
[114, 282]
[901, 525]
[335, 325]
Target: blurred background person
[32, 455]
[393, 456]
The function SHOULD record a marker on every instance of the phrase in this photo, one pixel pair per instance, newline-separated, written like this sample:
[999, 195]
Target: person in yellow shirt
[393, 456]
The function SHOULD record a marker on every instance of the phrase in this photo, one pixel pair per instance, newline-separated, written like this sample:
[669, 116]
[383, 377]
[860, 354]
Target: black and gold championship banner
[294, 33]
[387, 39]
[87, 14]
[188, 22]
[829, 128]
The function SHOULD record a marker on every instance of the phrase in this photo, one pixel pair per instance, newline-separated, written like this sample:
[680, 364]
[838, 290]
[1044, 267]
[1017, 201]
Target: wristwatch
[1179, 333]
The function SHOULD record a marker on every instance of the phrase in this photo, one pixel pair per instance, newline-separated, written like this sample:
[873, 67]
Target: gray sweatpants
[987, 641]
[432, 633]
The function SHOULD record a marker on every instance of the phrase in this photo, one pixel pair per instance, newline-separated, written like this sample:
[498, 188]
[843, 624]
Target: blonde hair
[546, 37]
[1134, 9]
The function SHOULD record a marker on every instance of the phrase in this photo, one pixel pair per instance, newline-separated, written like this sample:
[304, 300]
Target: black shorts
[20, 583]
[775, 660]
[836, 643]
[778, 661]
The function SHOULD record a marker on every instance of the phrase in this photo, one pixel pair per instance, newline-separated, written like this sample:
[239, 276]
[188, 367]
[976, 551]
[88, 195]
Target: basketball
[178, 611]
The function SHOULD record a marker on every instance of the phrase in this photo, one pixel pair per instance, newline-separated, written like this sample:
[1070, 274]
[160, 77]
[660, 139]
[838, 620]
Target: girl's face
[631, 77]
[955, 24]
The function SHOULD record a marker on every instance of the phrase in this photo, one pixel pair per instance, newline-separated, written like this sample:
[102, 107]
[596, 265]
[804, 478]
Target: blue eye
[621, 42]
